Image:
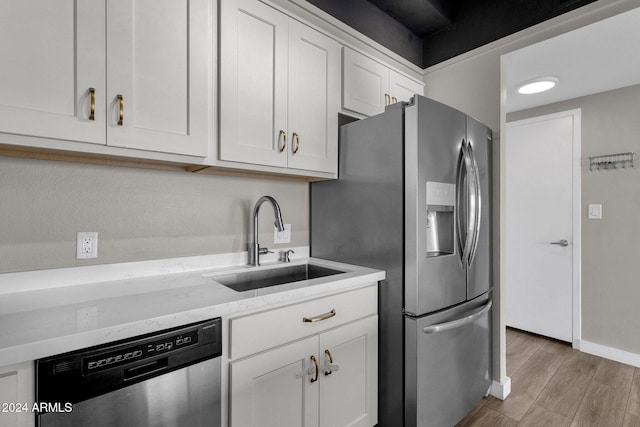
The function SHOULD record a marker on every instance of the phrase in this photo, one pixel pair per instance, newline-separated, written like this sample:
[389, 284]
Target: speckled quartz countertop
[50, 312]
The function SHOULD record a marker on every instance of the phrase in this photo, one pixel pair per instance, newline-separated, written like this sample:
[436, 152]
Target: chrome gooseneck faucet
[254, 249]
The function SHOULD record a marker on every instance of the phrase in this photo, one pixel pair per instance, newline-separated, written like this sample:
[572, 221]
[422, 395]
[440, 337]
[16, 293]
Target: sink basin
[252, 280]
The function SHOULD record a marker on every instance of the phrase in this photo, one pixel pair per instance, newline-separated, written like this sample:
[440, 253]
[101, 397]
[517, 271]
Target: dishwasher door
[166, 379]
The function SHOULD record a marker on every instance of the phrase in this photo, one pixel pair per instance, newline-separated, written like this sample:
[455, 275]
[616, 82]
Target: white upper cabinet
[369, 86]
[53, 54]
[158, 55]
[279, 90]
[402, 88]
[314, 99]
[253, 89]
[365, 83]
[59, 81]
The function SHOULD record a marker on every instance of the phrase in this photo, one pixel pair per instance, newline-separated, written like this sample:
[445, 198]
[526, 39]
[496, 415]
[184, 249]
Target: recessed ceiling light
[537, 85]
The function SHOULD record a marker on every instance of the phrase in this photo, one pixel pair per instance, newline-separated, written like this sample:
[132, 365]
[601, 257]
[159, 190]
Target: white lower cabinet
[17, 395]
[349, 395]
[325, 378]
[273, 389]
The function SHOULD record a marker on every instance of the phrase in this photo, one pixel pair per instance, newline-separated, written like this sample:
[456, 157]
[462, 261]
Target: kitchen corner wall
[610, 290]
[139, 214]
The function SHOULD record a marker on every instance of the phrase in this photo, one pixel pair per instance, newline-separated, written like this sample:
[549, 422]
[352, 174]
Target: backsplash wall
[139, 214]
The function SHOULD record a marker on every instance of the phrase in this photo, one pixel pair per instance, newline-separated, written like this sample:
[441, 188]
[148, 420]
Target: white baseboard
[611, 353]
[501, 389]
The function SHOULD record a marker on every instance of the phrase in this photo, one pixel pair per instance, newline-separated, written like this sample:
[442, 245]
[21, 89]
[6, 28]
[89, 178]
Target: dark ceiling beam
[422, 17]
[375, 24]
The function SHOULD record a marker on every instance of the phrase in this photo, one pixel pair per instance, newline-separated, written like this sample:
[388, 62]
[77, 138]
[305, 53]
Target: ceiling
[592, 59]
[427, 32]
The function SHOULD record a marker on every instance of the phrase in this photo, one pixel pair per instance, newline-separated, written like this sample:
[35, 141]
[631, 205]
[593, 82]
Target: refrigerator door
[435, 277]
[447, 364]
[479, 272]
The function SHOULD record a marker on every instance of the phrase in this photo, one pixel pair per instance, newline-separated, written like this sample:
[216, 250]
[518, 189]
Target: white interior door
[542, 156]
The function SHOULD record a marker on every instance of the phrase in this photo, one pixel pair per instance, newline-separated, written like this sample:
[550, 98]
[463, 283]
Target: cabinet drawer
[257, 332]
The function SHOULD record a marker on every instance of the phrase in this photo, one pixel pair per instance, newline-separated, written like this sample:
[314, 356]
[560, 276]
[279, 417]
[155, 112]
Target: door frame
[576, 115]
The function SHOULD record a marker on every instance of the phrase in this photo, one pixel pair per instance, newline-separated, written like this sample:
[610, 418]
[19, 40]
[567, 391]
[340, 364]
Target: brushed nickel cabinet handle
[387, 99]
[562, 242]
[296, 137]
[121, 108]
[319, 318]
[315, 362]
[394, 99]
[283, 135]
[92, 95]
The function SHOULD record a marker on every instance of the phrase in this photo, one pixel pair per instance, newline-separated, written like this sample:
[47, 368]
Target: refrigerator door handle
[470, 214]
[460, 214]
[478, 203]
[441, 327]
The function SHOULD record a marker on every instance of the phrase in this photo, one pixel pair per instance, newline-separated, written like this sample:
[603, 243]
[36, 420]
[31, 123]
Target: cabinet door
[253, 83]
[274, 388]
[349, 395]
[17, 385]
[402, 88]
[52, 53]
[158, 56]
[314, 99]
[365, 83]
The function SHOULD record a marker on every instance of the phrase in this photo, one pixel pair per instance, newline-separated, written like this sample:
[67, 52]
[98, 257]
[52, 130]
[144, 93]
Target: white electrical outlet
[87, 245]
[282, 236]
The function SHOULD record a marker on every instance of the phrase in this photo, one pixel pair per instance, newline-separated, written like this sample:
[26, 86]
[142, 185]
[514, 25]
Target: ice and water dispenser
[440, 218]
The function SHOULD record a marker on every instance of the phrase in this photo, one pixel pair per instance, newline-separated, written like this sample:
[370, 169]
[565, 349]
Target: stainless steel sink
[252, 280]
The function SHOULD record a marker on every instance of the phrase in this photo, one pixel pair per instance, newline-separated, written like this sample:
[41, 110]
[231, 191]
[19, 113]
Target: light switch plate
[282, 236]
[595, 211]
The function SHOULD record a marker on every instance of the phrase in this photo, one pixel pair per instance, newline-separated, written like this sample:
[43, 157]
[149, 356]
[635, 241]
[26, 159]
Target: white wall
[140, 214]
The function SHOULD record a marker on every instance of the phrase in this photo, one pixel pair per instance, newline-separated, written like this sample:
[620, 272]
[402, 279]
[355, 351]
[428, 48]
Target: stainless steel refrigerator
[414, 198]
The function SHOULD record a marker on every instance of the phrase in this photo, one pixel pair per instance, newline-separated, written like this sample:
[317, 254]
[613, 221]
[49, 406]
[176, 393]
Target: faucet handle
[285, 255]
[263, 251]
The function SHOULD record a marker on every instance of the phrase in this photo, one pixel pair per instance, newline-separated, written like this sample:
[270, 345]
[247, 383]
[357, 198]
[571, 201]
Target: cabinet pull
[283, 135]
[296, 137]
[328, 353]
[394, 99]
[320, 317]
[315, 362]
[387, 99]
[121, 108]
[92, 96]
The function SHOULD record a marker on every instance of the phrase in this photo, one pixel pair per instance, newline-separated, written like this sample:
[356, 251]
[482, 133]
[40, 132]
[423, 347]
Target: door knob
[561, 243]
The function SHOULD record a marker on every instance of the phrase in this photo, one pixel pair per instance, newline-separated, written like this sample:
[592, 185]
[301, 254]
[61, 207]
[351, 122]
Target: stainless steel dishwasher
[169, 378]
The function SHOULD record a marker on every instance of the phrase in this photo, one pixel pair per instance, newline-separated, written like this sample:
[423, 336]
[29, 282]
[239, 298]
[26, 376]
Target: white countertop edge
[71, 276]
[63, 344]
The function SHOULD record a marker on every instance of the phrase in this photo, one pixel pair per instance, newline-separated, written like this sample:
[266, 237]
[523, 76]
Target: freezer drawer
[447, 363]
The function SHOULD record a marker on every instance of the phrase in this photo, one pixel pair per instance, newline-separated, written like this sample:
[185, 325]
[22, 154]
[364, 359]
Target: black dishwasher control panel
[134, 353]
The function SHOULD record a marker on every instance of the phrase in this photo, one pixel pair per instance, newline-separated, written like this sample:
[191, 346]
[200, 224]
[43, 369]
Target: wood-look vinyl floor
[553, 385]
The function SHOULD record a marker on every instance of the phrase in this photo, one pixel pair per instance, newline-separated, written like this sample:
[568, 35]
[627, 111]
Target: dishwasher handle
[441, 327]
[150, 368]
